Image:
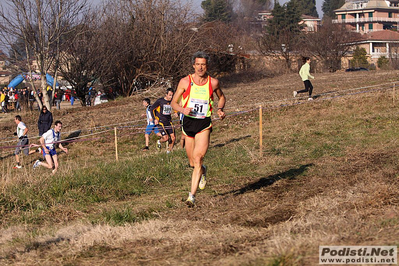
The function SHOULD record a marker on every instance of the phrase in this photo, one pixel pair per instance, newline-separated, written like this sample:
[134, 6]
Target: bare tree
[151, 40]
[282, 46]
[225, 43]
[86, 58]
[42, 25]
[329, 44]
[283, 31]
[394, 55]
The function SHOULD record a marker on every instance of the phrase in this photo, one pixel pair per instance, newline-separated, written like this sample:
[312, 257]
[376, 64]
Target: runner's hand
[221, 114]
[186, 111]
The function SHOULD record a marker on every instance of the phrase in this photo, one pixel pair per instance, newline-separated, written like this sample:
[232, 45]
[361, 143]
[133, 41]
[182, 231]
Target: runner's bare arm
[183, 84]
[63, 148]
[43, 145]
[222, 98]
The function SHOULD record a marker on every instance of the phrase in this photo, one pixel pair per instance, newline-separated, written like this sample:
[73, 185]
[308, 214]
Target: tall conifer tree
[221, 10]
[329, 6]
[283, 31]
[307, 7]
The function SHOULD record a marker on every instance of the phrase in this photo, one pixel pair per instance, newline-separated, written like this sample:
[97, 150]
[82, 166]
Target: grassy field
[328, 175]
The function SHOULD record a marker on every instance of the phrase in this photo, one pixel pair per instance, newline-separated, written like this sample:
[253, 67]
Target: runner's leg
[147, 139]
[189, 150]
[55, 159]
[49, 162]
[201, 144]
[172, 141]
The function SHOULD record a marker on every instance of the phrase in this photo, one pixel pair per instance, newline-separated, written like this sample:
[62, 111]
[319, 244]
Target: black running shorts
[166, 128]
[193, 126]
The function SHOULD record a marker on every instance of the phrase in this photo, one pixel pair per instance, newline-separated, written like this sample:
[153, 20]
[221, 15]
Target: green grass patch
[125, 215]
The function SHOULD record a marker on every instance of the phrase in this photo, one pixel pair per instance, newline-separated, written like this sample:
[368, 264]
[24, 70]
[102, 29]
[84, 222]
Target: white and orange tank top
[199, 98]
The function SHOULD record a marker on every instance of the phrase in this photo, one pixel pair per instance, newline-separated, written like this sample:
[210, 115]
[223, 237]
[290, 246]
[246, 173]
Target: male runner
[150, 124]
[197, 105]
[48, 142]
[23, 140]
[161, 112]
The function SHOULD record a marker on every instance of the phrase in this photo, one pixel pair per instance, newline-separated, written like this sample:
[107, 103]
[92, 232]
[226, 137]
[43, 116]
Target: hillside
[328, 175]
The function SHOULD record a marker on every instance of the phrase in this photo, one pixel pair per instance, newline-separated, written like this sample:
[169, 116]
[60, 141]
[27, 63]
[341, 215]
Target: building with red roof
[376, 21]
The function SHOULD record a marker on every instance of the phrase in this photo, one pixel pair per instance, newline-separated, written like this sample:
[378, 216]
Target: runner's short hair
[147, 100]
[18, 117]
[200, 54]
[57, 122]
[169, 89]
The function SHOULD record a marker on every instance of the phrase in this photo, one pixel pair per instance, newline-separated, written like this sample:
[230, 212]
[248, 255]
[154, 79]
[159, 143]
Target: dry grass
[329, 176]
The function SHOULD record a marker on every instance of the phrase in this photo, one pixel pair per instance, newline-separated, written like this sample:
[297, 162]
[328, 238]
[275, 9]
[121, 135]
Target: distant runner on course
[161, 112]
[304, 72]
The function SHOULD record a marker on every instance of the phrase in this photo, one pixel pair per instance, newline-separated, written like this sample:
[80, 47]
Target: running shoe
[190, 200]
[167, 152]
[159, 145]
[202, 182]
[145, 148]
[295, 93]
[39, 149]
[17, 166]
[310, 99]
[36, 164]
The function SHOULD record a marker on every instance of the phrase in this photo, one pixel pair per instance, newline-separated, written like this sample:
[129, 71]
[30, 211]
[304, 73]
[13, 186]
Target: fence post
[260, 131]
[393, 94]
[116, 145]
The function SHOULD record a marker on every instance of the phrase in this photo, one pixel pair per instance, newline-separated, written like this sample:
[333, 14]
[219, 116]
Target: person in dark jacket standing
[58, 98]
[45, 121]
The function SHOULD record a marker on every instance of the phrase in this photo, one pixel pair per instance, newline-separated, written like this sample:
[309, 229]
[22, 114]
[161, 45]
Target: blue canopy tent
[18, 79]
[50, 80]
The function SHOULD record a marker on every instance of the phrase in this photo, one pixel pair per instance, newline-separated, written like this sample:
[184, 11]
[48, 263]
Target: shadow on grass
[72, 136]
[230, 141]
[44, 244]
[267, 181]
[6, 156]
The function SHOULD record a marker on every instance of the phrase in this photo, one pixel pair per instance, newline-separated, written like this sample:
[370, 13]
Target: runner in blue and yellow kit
[161, 112]
[197, 92]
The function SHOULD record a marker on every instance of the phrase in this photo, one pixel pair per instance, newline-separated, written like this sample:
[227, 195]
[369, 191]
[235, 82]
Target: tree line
[125, 45]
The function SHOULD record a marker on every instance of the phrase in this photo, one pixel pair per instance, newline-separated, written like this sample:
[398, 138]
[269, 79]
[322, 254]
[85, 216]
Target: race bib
[199, 108]
[167, 110]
